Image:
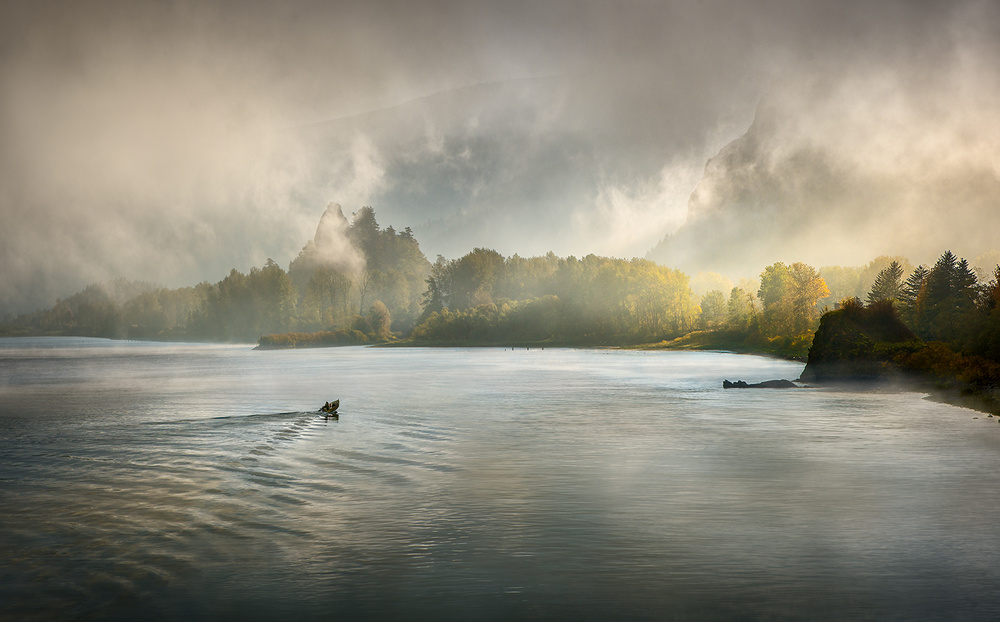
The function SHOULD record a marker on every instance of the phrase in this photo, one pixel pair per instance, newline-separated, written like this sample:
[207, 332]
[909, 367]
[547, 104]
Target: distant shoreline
[987, 402]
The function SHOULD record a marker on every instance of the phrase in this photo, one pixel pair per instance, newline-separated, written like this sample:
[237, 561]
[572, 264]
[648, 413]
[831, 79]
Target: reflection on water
[191, 480]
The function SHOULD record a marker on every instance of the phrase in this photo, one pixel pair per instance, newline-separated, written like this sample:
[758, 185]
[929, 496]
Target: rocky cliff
[857, 343]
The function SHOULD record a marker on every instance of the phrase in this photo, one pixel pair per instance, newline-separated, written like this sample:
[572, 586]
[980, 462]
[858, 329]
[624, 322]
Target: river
[170, 481]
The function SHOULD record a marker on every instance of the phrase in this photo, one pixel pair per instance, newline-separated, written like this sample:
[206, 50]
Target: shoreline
[987, 402]
[965, 398]
[724, 341]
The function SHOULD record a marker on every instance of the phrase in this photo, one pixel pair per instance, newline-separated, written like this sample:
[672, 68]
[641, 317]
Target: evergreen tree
[378, 264]
[910, 290]
[966, 282]
[437, 296]
[909, 293]
[274, 300]
[856, 282]
[946, 300]
[364, 233]
[987, 342]
[887, 284]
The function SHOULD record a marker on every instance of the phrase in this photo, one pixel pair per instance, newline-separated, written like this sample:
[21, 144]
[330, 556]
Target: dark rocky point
[768, 384]
[856, 343]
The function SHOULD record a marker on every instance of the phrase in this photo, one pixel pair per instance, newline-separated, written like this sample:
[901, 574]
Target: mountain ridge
[779, 191]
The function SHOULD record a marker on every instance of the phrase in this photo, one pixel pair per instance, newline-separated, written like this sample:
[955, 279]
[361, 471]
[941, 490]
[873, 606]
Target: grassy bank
[734, 341]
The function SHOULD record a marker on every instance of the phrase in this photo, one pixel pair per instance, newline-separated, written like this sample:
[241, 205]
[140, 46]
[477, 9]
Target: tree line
[940, 325]
[944, 303]
[778, 316]
[487, 298]
[361, 305]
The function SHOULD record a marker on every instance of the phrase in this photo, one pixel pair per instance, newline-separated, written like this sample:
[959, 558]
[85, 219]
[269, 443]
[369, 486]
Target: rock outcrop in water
[857, 343]
[872, 345]
[768, 384]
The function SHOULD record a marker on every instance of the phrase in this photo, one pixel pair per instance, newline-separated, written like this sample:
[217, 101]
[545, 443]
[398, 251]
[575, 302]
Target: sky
[171, 141]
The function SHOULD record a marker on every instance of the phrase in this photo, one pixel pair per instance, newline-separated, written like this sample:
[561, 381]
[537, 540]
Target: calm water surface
[168, 481]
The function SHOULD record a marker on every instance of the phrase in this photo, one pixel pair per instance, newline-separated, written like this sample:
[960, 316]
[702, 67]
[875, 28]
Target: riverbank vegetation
[361, 285]
[357, 283]
[940, 328]
[484, 298]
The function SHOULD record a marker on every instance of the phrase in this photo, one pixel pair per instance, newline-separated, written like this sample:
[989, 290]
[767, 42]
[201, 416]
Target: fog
[885, 154]
[172, 141]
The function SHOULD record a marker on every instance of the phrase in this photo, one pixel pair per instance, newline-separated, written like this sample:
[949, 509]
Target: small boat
[331, 407]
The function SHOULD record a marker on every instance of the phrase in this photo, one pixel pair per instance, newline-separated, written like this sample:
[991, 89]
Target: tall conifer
[887, 284]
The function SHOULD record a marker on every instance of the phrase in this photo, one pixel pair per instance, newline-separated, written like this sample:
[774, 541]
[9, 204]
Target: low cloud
[896, 153]
[629, 218]
[173, 141]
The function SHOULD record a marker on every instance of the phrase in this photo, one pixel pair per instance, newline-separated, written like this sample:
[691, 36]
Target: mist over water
[192, 480]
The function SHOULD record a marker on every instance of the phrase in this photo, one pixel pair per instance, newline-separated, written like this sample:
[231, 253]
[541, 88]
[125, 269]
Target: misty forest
[357, 283]
[499, 310]
[719, 211]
